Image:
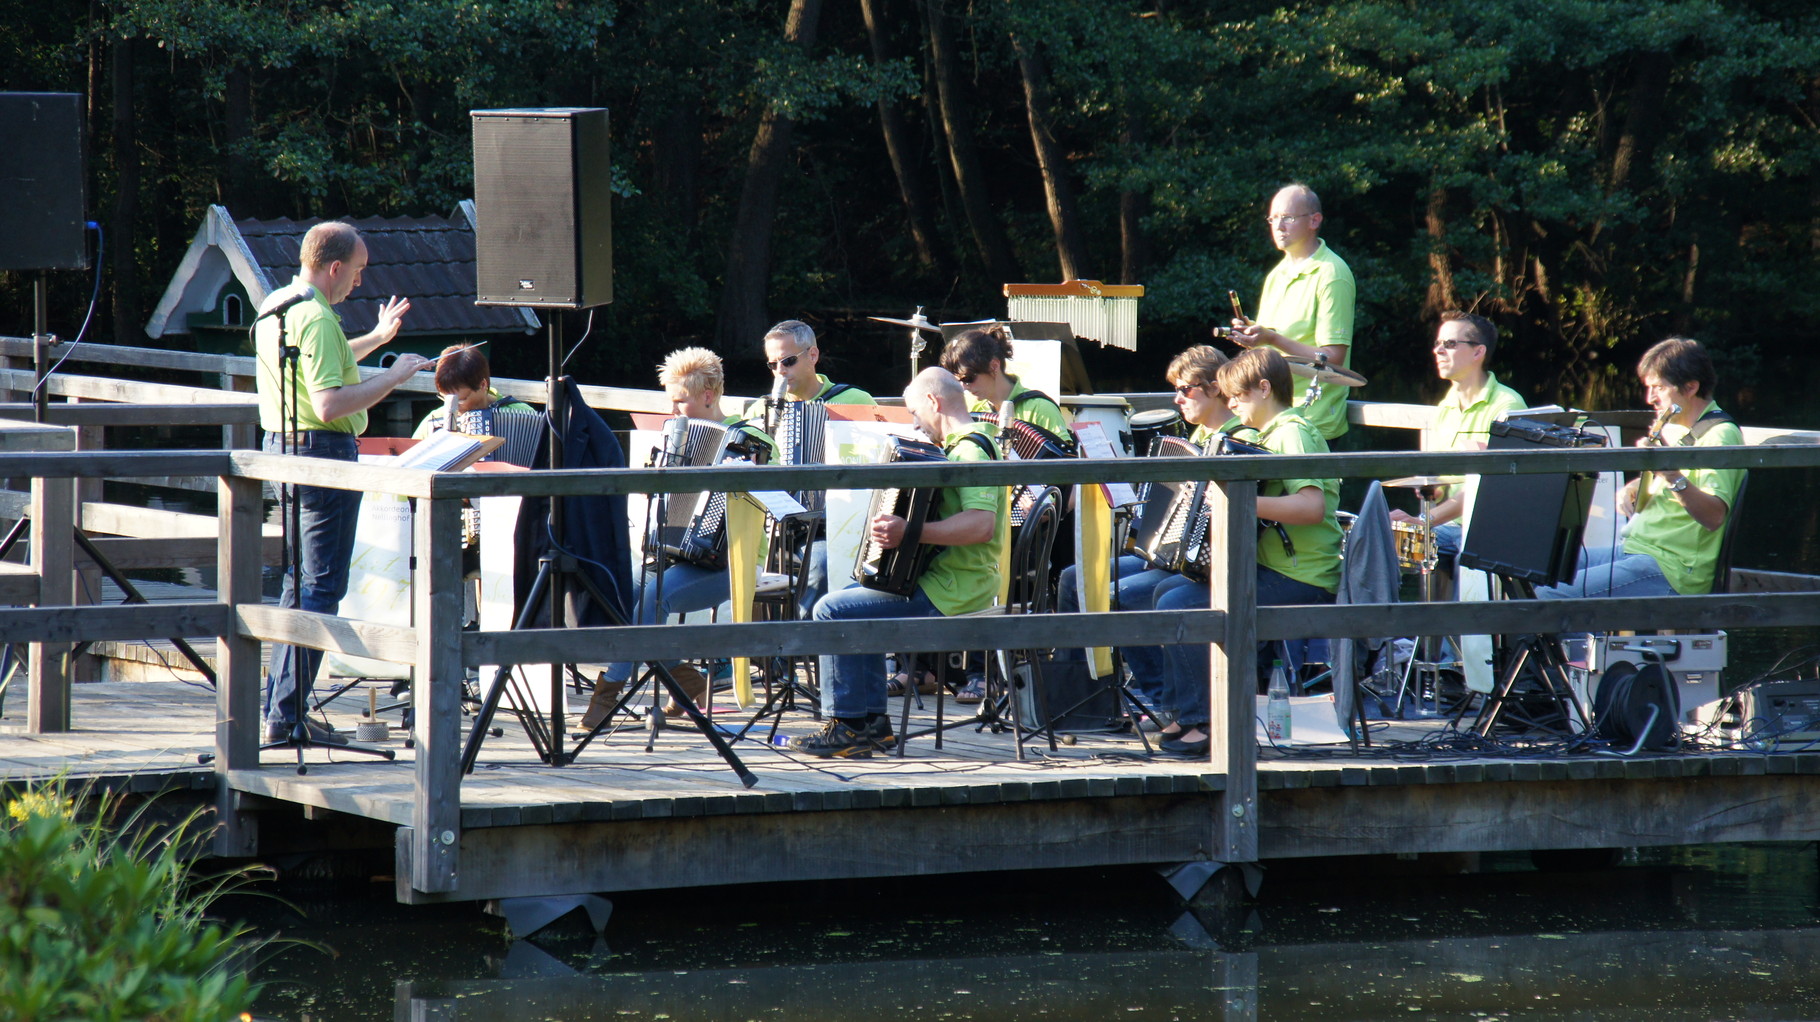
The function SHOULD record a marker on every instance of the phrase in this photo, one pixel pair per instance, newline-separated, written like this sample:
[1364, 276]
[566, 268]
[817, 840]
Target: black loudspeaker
[544, 229]
[1529, 526]
[42, 178]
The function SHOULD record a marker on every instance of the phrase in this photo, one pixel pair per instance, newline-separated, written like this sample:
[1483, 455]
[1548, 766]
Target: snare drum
[1145, 427]
[1413, 546]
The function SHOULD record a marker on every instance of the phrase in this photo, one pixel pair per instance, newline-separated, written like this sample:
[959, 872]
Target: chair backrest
[1031, 543]
[1722, 566]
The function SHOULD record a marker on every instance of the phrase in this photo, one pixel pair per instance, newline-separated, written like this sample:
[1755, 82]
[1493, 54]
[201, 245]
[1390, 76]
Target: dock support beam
[1232, 587]
[435, 831]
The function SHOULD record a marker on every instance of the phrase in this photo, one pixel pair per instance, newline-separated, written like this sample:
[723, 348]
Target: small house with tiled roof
[233, 264]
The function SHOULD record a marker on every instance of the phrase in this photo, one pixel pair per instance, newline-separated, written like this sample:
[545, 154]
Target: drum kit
[1418, 554]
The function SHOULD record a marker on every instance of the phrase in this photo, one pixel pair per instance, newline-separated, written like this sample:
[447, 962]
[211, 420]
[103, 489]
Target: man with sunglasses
[1462, 421]
[791, 354]
[1307, 303]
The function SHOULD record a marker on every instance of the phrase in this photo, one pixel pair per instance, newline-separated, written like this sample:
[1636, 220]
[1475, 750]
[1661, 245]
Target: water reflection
[1707, 932]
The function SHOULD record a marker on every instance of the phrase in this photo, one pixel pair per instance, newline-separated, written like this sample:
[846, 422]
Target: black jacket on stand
[594, 527]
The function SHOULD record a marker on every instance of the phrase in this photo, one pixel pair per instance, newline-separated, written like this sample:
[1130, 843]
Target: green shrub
[102, 918]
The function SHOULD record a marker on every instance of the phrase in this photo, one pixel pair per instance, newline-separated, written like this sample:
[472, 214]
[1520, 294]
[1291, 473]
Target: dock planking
[621, 818]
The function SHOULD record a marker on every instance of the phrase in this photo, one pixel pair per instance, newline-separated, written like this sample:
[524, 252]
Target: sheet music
[443, 451]
[777, 503]
[1095, 444]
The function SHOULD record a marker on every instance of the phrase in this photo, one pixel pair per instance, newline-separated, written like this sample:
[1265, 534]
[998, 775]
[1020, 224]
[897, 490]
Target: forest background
[1594, 175]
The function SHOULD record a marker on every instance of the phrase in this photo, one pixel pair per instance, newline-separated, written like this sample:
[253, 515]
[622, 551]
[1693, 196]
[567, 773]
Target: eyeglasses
[787, 362]
[1287, 221]
[1452, 343]
[1186, 389]
[964, 377]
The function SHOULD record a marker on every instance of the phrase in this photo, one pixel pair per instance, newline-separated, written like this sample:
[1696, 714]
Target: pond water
[1702, 932]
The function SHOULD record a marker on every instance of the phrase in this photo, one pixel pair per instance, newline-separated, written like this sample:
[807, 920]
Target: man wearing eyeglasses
[1462, 421]
[791, 354]
[1307, 304]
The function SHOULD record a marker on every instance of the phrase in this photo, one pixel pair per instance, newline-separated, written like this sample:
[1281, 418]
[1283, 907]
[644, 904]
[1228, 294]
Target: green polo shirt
[1032, 406]
[1466, 427]
[1312, 304]
[851, 396]
[963, 579]
[1202, 434]
[325, 362]
[1317, 547]
[1664, 530]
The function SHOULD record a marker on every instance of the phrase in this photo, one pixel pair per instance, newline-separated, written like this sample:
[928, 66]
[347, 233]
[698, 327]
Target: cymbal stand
[1424, 660]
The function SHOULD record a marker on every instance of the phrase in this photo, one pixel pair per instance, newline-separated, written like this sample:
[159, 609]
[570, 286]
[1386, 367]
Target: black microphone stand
[547, 591]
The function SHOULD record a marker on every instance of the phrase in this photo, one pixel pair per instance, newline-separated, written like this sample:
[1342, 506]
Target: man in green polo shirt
[319, 412]
[1462, 422]
[792, 354]
[962, 578]
[1306, 307]
[1677, 518]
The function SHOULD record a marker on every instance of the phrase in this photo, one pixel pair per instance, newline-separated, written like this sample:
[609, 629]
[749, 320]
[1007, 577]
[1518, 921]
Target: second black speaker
[544, 229]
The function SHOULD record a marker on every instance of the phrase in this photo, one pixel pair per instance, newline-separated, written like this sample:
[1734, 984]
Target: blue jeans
[325, 544]
[854, 683]
[685, 588]
[1190, 670]
[1135, 583]
[1611, 572]
[1447, 544]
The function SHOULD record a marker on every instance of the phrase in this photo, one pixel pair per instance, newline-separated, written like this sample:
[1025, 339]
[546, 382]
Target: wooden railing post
[53, 548]
[89, 576]
[240, 436]
[240, 510]
[1233, 587]
[436, 695]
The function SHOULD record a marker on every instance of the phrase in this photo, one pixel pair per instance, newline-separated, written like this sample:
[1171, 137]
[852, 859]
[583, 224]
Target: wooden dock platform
[621, 818]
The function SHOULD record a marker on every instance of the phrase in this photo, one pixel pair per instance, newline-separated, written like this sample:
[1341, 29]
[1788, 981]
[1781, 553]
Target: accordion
[694, 525]
[896, 570]
[1028, 442]
[520, 430]
[1168, 510]
[802, 436]
[1198, 547]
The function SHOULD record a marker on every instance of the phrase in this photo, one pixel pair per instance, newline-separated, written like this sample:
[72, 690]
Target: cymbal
[1420, 482]
[1322, 373]
[915, 323]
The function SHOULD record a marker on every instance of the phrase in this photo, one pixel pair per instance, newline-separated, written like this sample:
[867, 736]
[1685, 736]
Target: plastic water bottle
[1277, 721]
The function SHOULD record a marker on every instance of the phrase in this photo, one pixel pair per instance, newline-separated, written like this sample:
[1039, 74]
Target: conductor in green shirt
[1307, 303]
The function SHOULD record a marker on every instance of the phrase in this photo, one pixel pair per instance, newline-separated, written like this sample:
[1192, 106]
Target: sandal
[899, 683]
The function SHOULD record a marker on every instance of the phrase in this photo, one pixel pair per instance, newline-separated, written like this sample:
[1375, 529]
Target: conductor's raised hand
[391, 316]
[408, 363]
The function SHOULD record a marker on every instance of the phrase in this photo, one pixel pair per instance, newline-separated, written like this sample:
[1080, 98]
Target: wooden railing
[439, 651]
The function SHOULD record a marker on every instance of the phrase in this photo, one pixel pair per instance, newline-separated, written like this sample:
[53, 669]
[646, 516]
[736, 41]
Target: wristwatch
[1678, 485]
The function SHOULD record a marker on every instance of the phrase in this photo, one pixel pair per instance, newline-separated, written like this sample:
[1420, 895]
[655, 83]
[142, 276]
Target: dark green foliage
[1595, 175]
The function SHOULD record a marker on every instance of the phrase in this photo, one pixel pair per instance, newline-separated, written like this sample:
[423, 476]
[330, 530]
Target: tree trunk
[917, 212]
[128, 326]
[1133, 247]
[1441, 294]
[969, 179]
[743, 312]
[1064, 217]
[237, 131]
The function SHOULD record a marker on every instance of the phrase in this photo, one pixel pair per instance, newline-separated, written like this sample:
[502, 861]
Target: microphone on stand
[675, 441]
[773, 402]
[452, 414]
[279, 302]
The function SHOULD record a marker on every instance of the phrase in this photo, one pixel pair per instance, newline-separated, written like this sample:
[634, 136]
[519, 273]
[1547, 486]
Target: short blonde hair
[694, 369]
[331, 241]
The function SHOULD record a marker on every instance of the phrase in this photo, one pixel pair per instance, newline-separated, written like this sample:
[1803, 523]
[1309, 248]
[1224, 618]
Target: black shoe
[974, 691]
[1175, 746]
[837, 740]
[878, 731]
[280, 731]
